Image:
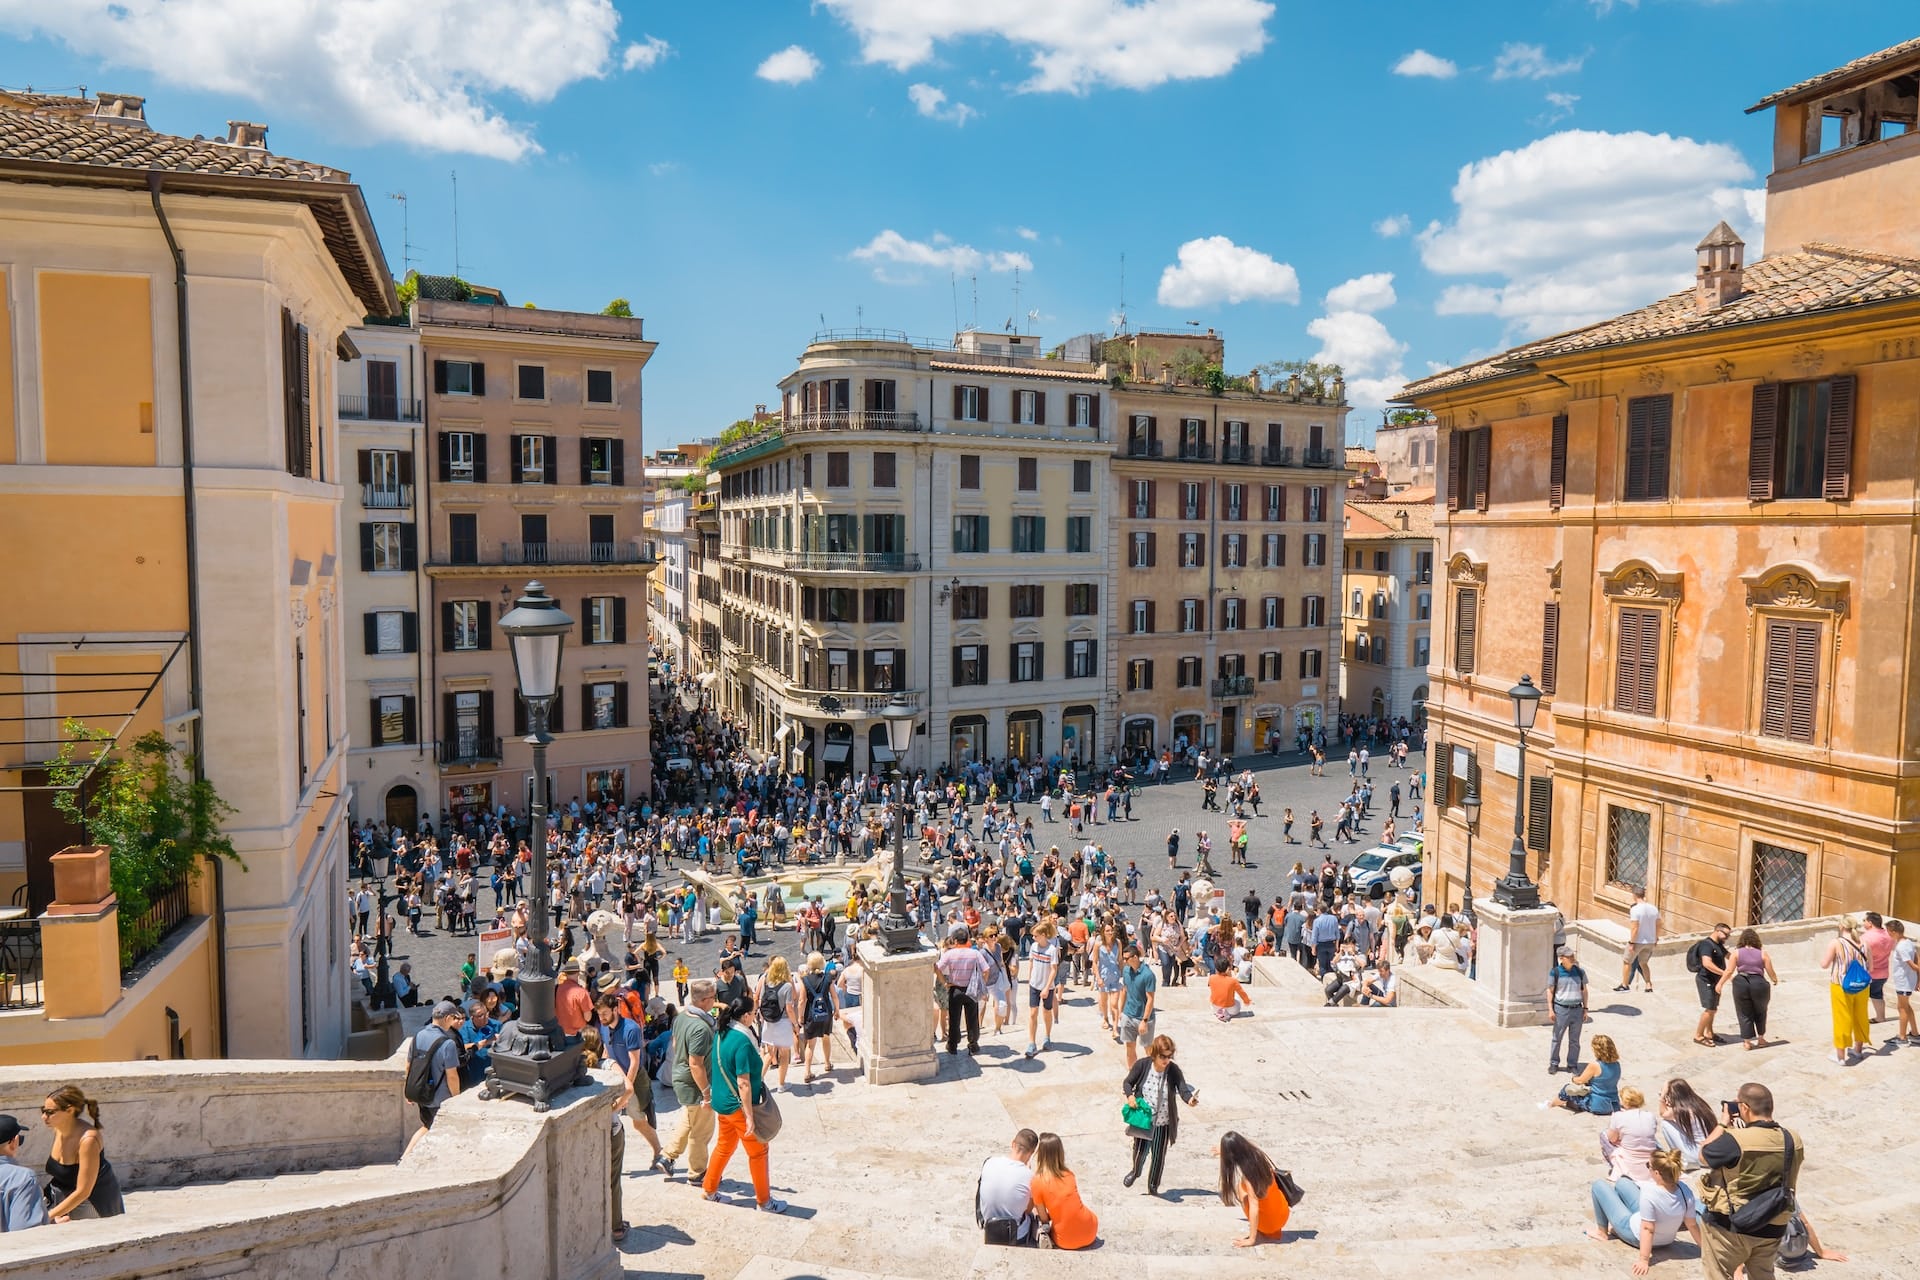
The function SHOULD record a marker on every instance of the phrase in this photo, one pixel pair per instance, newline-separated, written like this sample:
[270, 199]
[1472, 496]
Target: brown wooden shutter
[1838, 482]
[480, 458]
[372, 629]
[1466, 620]
[1456, 441]
[1762, 442]
[1550, 648]
[1153, 540]
[958, 393]
[406, 467]
[1151, 610]
[1637, 669]
[1039, 408]
[1482, 466]
[1776, 678]
[1153, 498]
[519, 716]
[1540, 813]
[550, 453]
[1639, 430]
[446, 455]
[449, 718]
[1626, 662]
[1093, 411]
[366, 466]
[1442, 773]
[1557, 464]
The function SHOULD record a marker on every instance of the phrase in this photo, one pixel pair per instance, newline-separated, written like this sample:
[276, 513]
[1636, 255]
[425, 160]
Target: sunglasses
[51, 1111]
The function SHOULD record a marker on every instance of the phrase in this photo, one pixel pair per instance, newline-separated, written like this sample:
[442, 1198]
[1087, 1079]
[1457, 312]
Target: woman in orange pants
[1249, 1181]
[737, 1081]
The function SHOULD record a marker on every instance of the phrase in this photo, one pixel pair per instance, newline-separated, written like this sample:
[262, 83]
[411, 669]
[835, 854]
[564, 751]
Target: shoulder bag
[1854, 978]
[766, 1117]
[1768, 1203]
[1288, 1187]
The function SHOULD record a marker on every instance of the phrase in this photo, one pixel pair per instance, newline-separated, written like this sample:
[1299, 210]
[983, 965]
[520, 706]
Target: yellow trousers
[1849, 1019]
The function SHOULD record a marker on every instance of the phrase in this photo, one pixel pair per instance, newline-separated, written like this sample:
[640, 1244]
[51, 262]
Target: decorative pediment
[1792, 586]
[1465, 572]
[1082, 631]
[1027, 630]
[970, 633]
[1638, 580]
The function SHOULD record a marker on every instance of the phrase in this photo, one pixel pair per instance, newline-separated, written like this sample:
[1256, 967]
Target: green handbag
[1138, 1117]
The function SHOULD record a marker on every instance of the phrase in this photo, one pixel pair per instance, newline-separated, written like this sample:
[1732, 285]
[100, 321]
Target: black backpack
[772, 1007]
[819, 1007]
[422, 1083]
[1693, 957]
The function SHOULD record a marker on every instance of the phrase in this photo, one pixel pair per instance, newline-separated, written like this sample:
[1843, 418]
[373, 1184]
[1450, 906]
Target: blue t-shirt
[446, 1058]
[623, 1040]
[1139, 984]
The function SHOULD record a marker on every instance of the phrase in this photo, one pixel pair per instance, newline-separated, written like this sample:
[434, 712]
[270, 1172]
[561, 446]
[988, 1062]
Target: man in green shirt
[692, 1047]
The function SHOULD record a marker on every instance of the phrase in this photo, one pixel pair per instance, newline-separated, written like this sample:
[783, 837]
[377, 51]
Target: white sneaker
[773, 1206]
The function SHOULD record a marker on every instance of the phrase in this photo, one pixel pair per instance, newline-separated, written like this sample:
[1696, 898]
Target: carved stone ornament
[1792, 587]
[1652, 377]
[1723, 370]
[1523, 406]
[1808, 359]
[1637, 580]
[326, 603]
[1464, 572]
[1473, 415]
[1553, 577]
[299, 610]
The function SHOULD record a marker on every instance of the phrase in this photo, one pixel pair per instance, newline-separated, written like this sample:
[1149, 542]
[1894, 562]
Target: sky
[1396, 185]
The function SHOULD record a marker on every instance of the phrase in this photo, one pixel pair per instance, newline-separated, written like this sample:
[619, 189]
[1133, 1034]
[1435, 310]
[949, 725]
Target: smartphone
[1732, 1110]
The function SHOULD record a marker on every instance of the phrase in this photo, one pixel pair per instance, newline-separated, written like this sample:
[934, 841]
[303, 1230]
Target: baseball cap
[447, 1009]
[10, 1129]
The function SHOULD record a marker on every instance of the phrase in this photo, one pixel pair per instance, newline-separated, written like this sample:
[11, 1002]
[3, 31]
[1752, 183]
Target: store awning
[883, 754]
[780, 734]
[835, 752]
[706, 680]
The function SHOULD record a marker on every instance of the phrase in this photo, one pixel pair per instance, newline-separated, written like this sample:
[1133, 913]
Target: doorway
[403, 807]
[1229, 730]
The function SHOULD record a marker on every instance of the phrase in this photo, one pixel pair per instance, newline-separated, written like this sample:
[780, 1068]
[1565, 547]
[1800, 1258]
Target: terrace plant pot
[81, 875]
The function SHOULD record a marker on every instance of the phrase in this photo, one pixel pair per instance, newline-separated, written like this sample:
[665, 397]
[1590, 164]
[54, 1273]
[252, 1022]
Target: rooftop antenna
[1123, 293]
[953, 279]
[975, 281]
[456, 221]
[406, 235]
[1016, 297]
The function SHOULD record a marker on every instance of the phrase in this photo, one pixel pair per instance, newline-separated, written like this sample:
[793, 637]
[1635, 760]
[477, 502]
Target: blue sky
[1395, 185]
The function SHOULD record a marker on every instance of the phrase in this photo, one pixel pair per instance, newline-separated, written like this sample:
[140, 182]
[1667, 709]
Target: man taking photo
[1752, 1167]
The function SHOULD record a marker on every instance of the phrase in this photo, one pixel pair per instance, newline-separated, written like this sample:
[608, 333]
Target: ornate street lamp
[537, 1065]
[1470, 808]
[898, 933]
[1514, 889]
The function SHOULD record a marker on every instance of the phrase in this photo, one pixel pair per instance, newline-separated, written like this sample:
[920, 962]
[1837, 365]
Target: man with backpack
[1707, 961]
[433, 1064]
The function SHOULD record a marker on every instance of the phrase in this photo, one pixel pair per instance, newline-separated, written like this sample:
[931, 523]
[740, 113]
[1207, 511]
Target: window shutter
[1649, 661]
[1093, 411]
[304, 356]
[1557, 465]
[366, 548]
[373, 721]
[586, 460]
[619, 619]
[1442, 767]
[551, 453]
[1472, 785]
[449, 718]
[486, 713]
[1482, 466]
[409, 720]
[1153, 541]
[959, 397]
[1153, 498]
[1153, 433]
[519, 716]
[1466, 620]
[445, 446]
[514, 454]
[1805, 678]
[586, 706]
[586, 619]
[479, 378]
[446, 627]
[1626, 665]
[557, 713]
[1762, 438]
[1540, 813]
[619, 448]
[372, 621]
[486, 625]
[620, 705]
[409, 549]
[1150, 616]
[1039, 408]
[366, 466]
[409, 632]
[956, 664]
[479, 457]
[1639, 432]
[1838, 485]
[1456, 441]
[440, 378]
[1203, 500]
[1550, 649]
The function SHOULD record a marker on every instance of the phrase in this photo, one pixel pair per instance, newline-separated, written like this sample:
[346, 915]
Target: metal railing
[166, 911]
[1196, 453]
[835, 702]
[1319, 457]
[1276, 455]
[854, 420]
[1232, 686]
[386, 498]
[855, 561]
[474, 750]
[559, 553]
[379, 409]
[1145, 448]
[1241, 453]
[22, 969]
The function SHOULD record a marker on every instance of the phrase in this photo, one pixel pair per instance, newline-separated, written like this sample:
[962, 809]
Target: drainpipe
[423, 532]
[183, 359]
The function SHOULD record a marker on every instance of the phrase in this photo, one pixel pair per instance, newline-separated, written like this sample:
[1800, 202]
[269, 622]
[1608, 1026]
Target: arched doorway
[1420, 705]
[1186, 733]
[403, 807]
[1379, 704]
[1024, 742]
[1138, 735]
[1076, 735]
[879, 750]
[966, 740]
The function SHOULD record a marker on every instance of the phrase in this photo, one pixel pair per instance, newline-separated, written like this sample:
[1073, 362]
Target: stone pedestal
[896, 1003]
[80, 936]
[1516, 953]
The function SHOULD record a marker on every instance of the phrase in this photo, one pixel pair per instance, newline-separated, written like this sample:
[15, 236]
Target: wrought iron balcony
[469, 749]
[396, 497]
[379, 409]
[1276, 455]
[1196, 453]
[1240, 453]
[1233, 687]
[1319, 457]
[854, 561]
[1145, 448]
[854, 420]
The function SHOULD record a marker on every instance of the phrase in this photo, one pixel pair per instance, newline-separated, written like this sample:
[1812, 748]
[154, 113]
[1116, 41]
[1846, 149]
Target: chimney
[122, 107]
[244, 133]
[1253, 380]
[1293, 385]
[1718, 278]
[1166, 374]
[1403, 520]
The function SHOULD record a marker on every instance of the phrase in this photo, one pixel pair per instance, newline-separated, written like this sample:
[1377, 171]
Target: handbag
[1572, 1091]
[1138, 1117]
[1767, 1204]
[1292, 1190]
[766, 1118]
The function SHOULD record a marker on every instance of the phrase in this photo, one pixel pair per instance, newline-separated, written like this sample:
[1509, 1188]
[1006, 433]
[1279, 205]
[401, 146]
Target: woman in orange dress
[1056, 1196]
[1247, 1181]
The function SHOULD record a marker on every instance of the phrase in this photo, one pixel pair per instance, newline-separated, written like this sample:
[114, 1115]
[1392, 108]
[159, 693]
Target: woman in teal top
[736, 1072]
[1596, 1090]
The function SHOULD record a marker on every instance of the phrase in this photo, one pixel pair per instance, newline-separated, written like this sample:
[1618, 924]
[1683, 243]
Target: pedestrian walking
[1155, 1082]
[1643, 930]
[739, 1090]
[1847, 981]
[690, 1055]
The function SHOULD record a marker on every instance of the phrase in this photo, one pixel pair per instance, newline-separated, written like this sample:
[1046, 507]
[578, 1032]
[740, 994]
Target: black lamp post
[538, 1066]
[898, 933]
[1470, 809]
[1514, 890]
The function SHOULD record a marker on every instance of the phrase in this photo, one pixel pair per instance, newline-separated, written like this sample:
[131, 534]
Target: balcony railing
[557, 553]
[854, 420]
[165, 912]
[1241, 453]
[469, 749]
[1145, 448]
[379, 409]
[1196, 453]
[386, 497]
[1319, 457]
[1233, 686]
[855, 561]
[839, 702]
[1273, 455]
[22, 971]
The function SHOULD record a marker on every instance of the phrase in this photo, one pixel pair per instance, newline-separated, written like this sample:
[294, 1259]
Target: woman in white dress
[774, 999]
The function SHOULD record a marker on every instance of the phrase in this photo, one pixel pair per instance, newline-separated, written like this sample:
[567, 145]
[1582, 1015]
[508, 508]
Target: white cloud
[1422, 63]
[1394, 225]
[1357, 340]
[890, 248]
[661, 168]
[424, 75]
[1604, 7]
[1530, 62]
[1562, 107]
[1026, 233]
[642, 55]
[1072, 45]
[1372, 292]
[792, 65]
[1215, 270]
[1583, 224]
[932, 103]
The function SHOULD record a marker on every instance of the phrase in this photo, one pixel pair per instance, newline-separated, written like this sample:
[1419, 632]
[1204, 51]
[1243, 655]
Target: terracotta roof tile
[1386, 513]
[1858, 67]
[54, 135]
[1817, 279]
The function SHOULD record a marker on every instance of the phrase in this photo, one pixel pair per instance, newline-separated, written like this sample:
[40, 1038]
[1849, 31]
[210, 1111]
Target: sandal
[1708, 1041]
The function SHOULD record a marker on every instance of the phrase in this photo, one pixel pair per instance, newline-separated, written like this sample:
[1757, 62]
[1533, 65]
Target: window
[1083, 599]
[880, 670]
[1030, 533]
[1316, 503]
[1649, 443]
[1356, 607]
[1313, 611]
[1080, 659]
[1079, 534]
[1629, 837]
[1030, 407]
[1141, 613]
[1309, 664]
[969, 664]
[1189, 615]
[1426, 606]
[969, 471]
[1802, 441]
[459, 378]
[531, 382]
[1270, 613]
[1380, 561]
[533, 459]
[1469, 466]
[886, 604]
[1143, 499]
[1141, 553]
[969, 534]
[843, 533]
[1273, 551]
[839, 604]
[1236, 495]
[1313, 550]
[1139, 674]
[1193, 501]
[969, 602]
[1422, 651]
[1466, 628]
[838, 666]
[602, 615]
[463, 537]
[393, 720]
[1192, 551]
[970, 404]
[533, 538]
[1029, 475]
[1379, 604]
[1790, 680]
[600, 461]
[1082, 410]
[1232, 552]
[1186, 674]
[1360, 649]
[388, 546]
[392, 631]
[1027, 662]
[296, 392]
[1082, 475]
[1028, 601]
[1779, 885]
[599, 386]
[457, 450]
[839, 469]
[606, 705]
[883, 470]
[1276, 502]
[1380, 650]
[1269, 666]
[381, 473]
[1636, 671]
[1232, 613]
[464, 622]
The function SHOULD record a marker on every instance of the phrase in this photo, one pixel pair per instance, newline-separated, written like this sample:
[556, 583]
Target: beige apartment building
[1387, 606]
[533, 419]
[1225, 557]
[924, 520]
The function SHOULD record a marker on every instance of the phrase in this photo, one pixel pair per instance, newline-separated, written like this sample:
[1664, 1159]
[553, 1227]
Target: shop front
[1077, 740]
[966, 740]
[1137, 735]
[467, 800]
[1025, 740]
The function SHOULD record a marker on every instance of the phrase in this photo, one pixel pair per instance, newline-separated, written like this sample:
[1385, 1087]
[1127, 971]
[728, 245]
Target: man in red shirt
[572, 1004]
